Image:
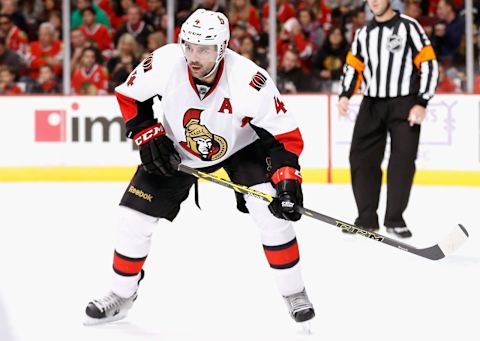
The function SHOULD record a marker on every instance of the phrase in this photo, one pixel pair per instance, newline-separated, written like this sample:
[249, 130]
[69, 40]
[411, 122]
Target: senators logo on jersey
[258, 81]
[200, 141]
[147, 63]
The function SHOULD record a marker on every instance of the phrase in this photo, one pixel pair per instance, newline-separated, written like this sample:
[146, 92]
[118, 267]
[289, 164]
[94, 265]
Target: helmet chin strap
[211, 71]
[214, 68]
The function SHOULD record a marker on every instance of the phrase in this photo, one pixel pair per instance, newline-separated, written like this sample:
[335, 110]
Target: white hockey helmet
[205, 27]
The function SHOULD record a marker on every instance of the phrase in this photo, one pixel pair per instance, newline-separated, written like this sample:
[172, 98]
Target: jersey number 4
[279, 106]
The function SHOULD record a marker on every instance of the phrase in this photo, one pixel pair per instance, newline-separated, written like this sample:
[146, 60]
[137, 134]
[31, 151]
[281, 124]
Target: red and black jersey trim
[283, 256]
[214, 85]
[137, 115]
[258, 81]
[126, 266]
[147, 63]
[283, 149]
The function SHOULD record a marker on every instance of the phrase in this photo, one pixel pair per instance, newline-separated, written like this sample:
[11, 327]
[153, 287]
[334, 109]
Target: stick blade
[454, 240]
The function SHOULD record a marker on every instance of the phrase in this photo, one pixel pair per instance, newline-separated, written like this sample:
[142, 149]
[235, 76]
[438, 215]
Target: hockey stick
[449, 245]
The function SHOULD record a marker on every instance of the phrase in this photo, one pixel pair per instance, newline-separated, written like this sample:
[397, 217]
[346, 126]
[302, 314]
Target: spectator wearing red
[46, 83]
[47, 50]
[78, 43]
[311, 28]
[7, 82]
[106, 6]
[320, 9]
[445, 83]
[136, 26]
[97, 34]
[292, 38]
[143, 4]
[120, 9]
[242, 10]
[91, 78]
[285, 10]
[16, 39]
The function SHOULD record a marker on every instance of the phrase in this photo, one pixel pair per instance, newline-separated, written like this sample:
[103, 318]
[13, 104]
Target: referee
[394, 63]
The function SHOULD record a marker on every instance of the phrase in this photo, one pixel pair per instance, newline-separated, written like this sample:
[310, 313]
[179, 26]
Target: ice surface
[207, 278]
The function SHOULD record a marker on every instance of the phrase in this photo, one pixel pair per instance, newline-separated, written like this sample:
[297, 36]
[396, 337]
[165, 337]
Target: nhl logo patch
[394, 43]
[258, 81]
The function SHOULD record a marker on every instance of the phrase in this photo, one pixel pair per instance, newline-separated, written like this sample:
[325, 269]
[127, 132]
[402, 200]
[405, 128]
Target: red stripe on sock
[127, 265]
[283, 256]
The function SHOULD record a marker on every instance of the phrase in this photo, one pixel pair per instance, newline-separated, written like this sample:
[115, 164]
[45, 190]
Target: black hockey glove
[287, 182]
[157, 152]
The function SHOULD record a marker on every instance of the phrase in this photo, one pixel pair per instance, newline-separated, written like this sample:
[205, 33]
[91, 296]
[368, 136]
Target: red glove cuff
[149, 134]
[286, 173]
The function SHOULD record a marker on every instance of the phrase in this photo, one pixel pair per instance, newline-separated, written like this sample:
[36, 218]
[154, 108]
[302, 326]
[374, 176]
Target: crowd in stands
[110, 37]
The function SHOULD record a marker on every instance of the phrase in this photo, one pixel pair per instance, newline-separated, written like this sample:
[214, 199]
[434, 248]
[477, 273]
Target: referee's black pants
[378, 117]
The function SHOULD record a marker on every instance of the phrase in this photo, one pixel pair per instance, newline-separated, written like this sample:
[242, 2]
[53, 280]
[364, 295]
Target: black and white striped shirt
[391, 59]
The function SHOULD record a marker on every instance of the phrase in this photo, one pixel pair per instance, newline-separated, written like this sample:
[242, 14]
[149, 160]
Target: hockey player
[220, 110]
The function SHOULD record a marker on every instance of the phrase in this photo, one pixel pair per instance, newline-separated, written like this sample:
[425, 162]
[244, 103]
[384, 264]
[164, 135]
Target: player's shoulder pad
[150, 77]
[164, 57]
[247, 78]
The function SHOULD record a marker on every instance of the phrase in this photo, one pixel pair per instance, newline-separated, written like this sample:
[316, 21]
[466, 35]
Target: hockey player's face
[378, 7]
[200, 58]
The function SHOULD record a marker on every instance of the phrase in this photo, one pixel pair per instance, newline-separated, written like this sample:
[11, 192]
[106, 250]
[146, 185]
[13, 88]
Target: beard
[200, 71]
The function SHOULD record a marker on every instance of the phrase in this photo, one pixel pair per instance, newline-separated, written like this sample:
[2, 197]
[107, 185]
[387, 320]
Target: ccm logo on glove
[149, 134]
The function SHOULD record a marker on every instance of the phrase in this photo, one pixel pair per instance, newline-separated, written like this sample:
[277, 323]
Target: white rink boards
[207, 278]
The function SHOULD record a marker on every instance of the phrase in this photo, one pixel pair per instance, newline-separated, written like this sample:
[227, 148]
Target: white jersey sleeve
[271, 119]
[148, 80]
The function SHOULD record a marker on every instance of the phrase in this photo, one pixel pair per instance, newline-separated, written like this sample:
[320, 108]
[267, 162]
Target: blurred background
[66, 57]
[87, 47]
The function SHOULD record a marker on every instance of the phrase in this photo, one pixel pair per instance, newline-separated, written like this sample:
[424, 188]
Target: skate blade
[306, 328]
[89, 321]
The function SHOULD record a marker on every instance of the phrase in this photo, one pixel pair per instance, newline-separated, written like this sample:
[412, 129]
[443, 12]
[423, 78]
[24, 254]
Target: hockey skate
[109, 308]
[301, 309]
[402, 232]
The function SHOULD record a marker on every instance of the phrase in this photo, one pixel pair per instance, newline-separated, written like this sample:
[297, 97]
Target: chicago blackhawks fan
[220, 110]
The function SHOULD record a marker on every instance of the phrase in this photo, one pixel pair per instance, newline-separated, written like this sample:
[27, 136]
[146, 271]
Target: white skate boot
[301, 309]
[109, 308]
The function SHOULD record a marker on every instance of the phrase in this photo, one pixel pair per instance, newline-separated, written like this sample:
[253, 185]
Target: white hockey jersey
[242, 106]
